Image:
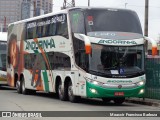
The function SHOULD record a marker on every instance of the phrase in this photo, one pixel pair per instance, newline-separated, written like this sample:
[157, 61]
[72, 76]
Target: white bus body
[88, 52]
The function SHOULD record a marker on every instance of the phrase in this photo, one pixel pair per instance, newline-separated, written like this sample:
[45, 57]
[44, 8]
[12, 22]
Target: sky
[136, 5]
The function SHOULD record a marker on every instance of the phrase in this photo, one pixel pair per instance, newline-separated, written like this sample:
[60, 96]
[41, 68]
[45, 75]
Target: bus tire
[31, 92]
[24, 90]
[119, 101]
[72, 98]
[106, 100]
[19, 86]
[62, 93]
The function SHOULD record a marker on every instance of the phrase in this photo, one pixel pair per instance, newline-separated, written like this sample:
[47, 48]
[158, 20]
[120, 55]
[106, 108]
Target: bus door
[83, 64]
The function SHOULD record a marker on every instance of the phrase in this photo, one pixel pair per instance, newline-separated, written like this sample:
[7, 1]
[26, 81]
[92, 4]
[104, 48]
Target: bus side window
[52, 29]
[39, 32]
[62, 27]
[47, 27]
[29, 33]
[44, 34]
[83, 59]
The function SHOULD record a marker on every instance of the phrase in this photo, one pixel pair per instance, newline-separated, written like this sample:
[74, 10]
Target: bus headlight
[93, 91]
[141, 91]
[94, 82]
[141, 83]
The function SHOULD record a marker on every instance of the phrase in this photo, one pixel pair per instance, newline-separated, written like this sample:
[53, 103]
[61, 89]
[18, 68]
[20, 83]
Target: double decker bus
[78, 52]
[3, 49]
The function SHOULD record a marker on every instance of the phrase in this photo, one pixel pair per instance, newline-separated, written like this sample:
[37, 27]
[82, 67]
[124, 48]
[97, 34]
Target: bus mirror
[88, 49]
[154, 45]
[87, 43]
[154, 51]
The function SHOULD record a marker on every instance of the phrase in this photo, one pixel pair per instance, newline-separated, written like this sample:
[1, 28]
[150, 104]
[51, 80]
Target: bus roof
[65, 11]
[3, 36]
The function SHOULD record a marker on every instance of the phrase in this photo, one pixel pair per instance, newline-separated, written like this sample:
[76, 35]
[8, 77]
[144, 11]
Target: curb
[145, 101]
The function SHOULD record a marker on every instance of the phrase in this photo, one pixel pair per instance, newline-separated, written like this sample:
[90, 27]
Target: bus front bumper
[95, 91]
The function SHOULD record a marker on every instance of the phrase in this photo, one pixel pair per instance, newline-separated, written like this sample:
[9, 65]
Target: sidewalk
[145, 101]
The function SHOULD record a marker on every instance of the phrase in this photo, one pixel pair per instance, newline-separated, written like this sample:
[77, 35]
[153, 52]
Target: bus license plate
[119, 94]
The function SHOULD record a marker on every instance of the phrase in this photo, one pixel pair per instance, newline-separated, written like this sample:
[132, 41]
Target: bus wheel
[62, 93]
[71, 96]
[119, 101]
[24, 90]
[106, 100]
[19, 86]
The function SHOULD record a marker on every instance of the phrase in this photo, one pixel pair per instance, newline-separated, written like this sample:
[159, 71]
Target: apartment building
[15, 10]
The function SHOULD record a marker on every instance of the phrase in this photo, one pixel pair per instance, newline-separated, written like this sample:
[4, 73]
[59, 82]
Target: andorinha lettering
[123, 42]
[104, 34]
[52, 20]
[44, 44]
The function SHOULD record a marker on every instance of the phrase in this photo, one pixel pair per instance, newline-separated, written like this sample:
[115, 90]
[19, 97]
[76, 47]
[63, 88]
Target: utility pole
[146, 22]
[5, 26]
[126, 5]
[1, 30]
[88, 3]
[34, 8]
[68, 4]
[146, 18]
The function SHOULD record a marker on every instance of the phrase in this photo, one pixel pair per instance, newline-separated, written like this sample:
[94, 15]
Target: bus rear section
[3, 43]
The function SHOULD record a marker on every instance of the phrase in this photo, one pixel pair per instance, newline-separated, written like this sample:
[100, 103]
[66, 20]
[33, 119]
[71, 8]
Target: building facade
[10, 11]
[44, 5]
[32, 8]
[15, 10]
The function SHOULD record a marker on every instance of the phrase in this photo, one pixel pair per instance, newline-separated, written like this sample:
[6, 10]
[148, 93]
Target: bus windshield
[99, 21]
[3, 55]
[114, 24]
[117, 61]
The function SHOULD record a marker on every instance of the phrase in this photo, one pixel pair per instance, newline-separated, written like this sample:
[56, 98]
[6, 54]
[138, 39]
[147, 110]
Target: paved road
[10, 100]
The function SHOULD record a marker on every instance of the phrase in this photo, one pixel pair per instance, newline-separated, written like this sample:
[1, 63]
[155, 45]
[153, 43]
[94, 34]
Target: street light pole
[34, 8]
[146, 18]
[146, 22]
[88, 3]
[5, 26]
[126, 5]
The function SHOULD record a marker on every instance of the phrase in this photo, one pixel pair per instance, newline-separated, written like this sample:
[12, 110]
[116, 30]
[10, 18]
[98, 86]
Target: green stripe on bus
[49, 64]
[36, 51]
[46, 84]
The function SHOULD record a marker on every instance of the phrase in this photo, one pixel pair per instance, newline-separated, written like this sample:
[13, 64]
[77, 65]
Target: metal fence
[153, 78]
